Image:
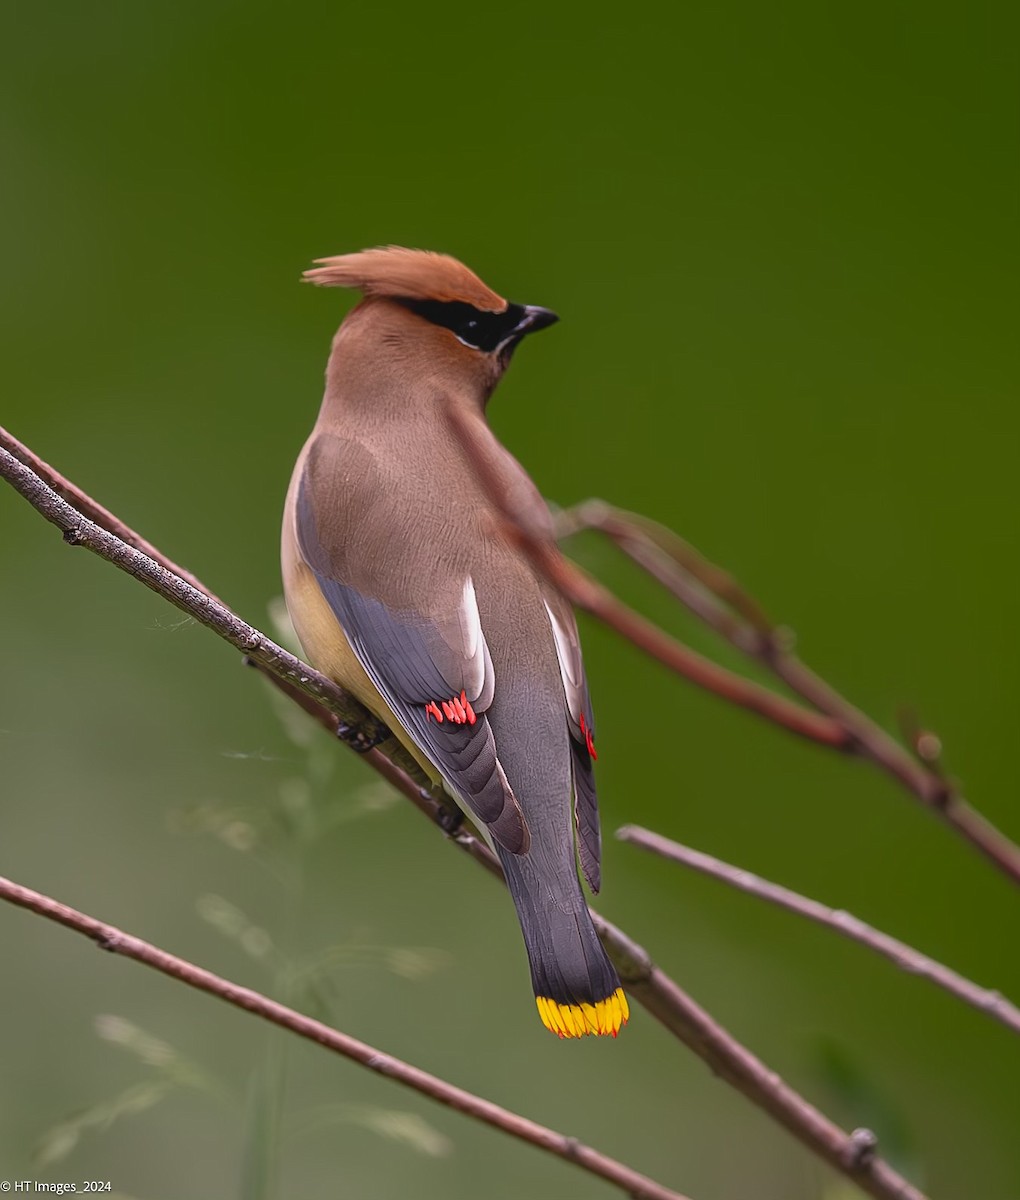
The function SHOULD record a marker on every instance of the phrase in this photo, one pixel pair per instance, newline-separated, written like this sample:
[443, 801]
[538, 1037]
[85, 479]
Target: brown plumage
[402, 589]
[411, 274]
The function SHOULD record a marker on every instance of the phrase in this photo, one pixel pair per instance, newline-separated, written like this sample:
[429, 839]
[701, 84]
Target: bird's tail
[576, 987]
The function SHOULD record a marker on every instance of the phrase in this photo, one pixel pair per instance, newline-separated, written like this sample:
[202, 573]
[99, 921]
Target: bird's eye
[471, 326]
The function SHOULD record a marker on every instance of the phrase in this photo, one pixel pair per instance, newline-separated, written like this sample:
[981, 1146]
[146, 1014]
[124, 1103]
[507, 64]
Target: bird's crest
[409, 274]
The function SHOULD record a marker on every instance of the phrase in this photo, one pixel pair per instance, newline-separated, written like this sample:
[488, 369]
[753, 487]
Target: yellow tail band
[604, 1017]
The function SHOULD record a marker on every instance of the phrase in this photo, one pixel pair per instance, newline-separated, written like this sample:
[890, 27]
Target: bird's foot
[360, 739]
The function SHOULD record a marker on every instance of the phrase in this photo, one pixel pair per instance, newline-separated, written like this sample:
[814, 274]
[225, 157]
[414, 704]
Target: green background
[782, 243]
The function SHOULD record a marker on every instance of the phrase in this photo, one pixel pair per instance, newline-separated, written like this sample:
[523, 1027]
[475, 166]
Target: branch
[986, 1000]
[853, 1155]
[714, 597]
[627, 527]
[106, 535]
[107, 937]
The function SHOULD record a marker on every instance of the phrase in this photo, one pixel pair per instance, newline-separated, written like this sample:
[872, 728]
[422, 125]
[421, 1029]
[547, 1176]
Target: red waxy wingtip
[589, 741]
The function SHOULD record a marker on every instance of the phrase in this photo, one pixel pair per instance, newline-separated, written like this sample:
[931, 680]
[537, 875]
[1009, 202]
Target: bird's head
[431, 313]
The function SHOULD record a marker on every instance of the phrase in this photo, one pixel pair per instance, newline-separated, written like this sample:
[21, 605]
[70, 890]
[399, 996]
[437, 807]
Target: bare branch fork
[713, 596]
[852, 1155]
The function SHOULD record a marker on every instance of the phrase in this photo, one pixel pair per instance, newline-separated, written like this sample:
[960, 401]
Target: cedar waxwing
[403, 589]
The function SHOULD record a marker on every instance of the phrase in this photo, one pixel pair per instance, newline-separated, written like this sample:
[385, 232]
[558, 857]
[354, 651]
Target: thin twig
[985, 999]
[647, 983]
[701, 587]
[615, 522]
[107, 937]
[92, 509]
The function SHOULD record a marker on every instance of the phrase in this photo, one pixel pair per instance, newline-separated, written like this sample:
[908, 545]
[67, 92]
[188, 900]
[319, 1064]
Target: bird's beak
[534, 318]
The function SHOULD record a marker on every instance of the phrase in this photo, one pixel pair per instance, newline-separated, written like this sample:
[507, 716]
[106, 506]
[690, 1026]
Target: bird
[405, 587]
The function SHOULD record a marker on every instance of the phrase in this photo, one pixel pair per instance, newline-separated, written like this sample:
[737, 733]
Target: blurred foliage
[783, 244]
[169, 1070]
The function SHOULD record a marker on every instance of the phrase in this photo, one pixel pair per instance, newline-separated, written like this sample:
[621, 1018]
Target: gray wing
[436, 676]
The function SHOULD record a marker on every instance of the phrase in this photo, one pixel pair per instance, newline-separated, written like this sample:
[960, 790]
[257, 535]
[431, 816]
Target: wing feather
[580, 722]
